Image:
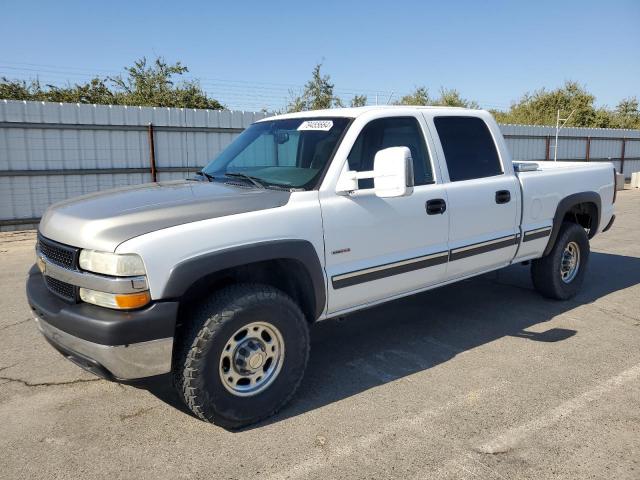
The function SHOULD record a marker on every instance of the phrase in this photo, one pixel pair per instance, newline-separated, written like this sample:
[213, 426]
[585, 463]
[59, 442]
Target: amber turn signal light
[133, 300]
[120, 301]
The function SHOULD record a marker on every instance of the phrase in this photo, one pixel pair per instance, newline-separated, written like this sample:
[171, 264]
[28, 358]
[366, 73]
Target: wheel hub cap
[570, 262]
[248, 355]
[256, 361]
[251, 359]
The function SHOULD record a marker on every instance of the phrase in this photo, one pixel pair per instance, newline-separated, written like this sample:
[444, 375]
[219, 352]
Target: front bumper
[113, 362]
[120, 345]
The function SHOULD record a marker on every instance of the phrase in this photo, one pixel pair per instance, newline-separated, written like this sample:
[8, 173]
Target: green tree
[153, 85]
[602, 119]
[627, 114]
[541, 107]
[317, 94]
[450, 97]
[20, 89]
[143, 84]
[94, 91]
[359, 101]
[420, 96]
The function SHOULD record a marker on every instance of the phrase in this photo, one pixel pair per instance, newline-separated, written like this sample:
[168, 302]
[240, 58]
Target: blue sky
[250, 54]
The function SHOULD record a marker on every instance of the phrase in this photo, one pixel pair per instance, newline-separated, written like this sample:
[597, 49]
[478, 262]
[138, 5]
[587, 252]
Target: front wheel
[560, 274]
[242, 355]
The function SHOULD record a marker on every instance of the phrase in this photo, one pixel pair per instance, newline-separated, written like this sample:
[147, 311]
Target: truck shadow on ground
[394, 340]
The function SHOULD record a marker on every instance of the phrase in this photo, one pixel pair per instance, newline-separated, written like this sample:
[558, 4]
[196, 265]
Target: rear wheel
[242, 356]
[560, 274]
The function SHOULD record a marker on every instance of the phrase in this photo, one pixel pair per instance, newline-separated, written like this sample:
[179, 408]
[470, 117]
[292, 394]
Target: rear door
[483, 228]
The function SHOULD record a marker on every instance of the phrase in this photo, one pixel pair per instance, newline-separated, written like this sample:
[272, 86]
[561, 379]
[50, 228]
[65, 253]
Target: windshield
[288, 153]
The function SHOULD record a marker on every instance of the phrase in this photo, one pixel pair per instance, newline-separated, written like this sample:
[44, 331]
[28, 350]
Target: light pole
[558, 128]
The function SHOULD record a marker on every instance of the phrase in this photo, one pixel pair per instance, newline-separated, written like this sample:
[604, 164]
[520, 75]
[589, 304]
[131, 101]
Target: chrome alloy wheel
[251, 359]
[570, 262]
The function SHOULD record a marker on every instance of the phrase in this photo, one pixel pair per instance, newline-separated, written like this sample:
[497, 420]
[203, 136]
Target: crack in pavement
[7, 367]
[4, 327]
[26, 383]
[137, 413]
[615, 312]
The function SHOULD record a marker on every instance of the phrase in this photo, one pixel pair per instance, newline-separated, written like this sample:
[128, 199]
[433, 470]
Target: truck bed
[543, 188]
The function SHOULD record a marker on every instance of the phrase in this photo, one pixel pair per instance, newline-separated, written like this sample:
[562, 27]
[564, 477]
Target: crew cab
[304, 217]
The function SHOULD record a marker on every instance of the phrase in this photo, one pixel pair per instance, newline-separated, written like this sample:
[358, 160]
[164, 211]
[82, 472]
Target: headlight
[119, 265]
[115, 300]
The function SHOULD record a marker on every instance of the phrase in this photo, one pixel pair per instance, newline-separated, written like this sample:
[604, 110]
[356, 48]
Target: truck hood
[103, 220]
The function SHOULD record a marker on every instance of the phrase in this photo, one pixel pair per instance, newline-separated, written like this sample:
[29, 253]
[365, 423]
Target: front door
[380, 247]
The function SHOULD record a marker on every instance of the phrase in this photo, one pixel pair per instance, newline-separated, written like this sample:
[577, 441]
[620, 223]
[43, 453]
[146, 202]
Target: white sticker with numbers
[319, 125]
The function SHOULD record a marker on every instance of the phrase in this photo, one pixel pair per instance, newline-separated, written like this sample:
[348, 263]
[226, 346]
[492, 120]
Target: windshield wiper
[257, 182]
[206, 175]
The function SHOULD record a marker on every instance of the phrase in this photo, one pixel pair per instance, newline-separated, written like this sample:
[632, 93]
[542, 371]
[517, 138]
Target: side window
[390, 132]
[468, 147]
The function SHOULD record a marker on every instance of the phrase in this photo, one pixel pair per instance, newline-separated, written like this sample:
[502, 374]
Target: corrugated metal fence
[621, 147]
[50, 152]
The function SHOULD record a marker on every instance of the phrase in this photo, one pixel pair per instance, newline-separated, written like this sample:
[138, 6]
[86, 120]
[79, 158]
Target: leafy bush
[143, 85]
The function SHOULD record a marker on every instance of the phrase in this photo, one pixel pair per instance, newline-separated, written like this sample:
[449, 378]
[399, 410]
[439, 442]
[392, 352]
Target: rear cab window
[468, 147]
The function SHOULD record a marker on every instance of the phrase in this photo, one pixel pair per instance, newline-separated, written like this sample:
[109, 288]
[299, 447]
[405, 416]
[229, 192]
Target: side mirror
[393, 172]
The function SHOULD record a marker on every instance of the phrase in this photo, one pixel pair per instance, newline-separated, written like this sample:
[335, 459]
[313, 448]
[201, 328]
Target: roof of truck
[353, 112]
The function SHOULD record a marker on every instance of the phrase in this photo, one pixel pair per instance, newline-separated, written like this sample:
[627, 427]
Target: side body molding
[565, 205]
[186, 273]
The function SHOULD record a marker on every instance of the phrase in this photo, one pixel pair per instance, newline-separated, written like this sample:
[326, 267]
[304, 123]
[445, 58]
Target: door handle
[436, 206]
[503, 196]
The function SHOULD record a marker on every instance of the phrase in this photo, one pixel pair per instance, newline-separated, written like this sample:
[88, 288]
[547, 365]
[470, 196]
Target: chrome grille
[66, 291]
[58, 253]
[63, 256]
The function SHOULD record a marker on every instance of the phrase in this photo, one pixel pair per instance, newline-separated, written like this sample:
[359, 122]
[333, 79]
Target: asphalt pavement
[479, 379]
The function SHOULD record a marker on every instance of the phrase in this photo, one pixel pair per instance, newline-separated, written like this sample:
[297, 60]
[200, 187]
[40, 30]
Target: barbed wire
[234, 93]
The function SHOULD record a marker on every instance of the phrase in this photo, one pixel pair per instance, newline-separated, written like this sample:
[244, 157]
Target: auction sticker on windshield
[321, 125]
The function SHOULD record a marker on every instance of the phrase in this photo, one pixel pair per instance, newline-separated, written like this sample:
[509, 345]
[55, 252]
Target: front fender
[188, 272]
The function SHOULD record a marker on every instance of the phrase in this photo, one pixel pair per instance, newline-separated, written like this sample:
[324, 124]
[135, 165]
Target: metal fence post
[547, 147]
[588, 152]
[624, 142]
[152, 153]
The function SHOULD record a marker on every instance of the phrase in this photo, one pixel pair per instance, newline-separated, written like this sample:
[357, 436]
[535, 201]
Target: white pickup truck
[304, 217]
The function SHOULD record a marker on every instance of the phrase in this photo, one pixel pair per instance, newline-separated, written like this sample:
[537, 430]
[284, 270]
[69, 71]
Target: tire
[550, 278]
[213, 343]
